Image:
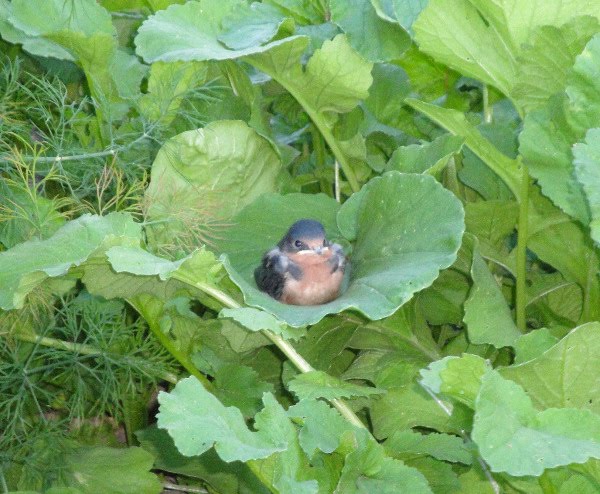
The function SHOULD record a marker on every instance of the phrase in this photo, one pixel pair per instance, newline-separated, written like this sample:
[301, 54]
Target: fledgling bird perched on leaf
[304, 268]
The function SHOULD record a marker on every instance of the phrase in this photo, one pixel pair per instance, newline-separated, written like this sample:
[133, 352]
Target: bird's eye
[298, 243]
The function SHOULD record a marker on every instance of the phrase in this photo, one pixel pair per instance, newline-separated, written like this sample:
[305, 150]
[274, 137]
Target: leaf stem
[59, 159]
[285, 346]
[167, 343]
[521, 262]
[80, 348]
[487, 110]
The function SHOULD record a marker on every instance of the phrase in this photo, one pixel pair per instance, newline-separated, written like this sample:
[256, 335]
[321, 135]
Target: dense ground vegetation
[150, 153]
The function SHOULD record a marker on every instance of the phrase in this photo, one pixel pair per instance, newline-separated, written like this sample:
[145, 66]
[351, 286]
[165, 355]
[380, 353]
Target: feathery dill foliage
[59, 368]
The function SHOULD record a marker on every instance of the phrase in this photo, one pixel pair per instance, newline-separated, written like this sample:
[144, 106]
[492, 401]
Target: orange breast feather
[318, 284]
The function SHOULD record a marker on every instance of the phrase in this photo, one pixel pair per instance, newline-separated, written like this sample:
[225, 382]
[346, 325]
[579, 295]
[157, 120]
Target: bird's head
[304, 236]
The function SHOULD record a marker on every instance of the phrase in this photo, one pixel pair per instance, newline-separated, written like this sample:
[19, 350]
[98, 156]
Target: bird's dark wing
[338, 259]
[270, 275]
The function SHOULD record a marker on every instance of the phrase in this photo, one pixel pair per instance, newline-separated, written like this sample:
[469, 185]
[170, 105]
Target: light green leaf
[566, 374]
[367, 470]
[405, 407]
[259, 320]
[27, 265]
[190, 32]
[587, 169]
[240, 386]
[399, 246]
[254, 24]
[546, 60]
[441, 446]
[491, 221]
[430, 157]
[533, 344]
[206, 176]
[322, 427]
[515, 438]
[336, 77]
[583, 89]
[407, 11]
[81, 31]
[374, 38]
[484, 39]
[487, 315]
[456, 34]
[545, 144]
[387, 93]
[456, 377]
[122, 470]
[196, 421]
[317, 384]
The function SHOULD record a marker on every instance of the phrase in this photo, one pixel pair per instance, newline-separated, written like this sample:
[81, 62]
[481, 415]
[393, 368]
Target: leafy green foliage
[152, 151]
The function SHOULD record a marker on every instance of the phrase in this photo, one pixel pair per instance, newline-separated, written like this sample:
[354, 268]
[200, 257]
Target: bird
[304, 268]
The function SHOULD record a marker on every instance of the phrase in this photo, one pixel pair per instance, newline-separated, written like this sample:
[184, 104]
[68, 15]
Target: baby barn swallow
[304, 268]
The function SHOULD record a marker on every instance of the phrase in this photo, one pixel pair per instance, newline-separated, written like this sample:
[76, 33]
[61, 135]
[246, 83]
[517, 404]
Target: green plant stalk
[285, 346]
[76, 348]
[487, 110]
[521, 261]
[319, 122]
[166, 342]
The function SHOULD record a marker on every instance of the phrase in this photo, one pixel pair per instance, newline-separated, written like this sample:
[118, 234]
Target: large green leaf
[499, 43]
[515, 438]
[455, 33]
[81, 31]
[587, 169]
[190, 32]
[374, 38]
[429, 157]
[545, 144]
[211, 173]
[27, 265]
[406, 229]
[545, 61]
[565, 375]
[122, 470]
[196, 421]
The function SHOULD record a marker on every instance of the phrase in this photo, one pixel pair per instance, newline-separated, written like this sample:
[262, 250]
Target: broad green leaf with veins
[485, 39]
[27, 265]
[587, 169]
[515, 438]
[213, 172]
[81, 31]
[566, 374]
[196, 421]
[190, 32]
[374, 38]
[317, 384]
[400, 246]
[102, 469]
